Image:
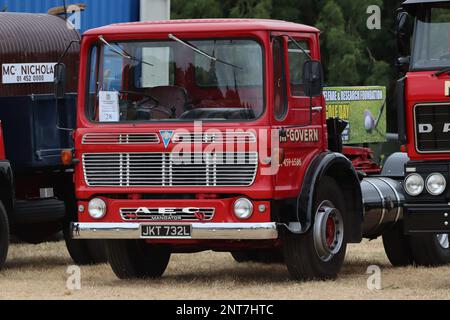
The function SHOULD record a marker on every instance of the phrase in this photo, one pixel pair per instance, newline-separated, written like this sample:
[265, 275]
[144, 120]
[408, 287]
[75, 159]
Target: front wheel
[397, 246]
[4, 236]
[431, 250]
[319, 254]
[131, 259]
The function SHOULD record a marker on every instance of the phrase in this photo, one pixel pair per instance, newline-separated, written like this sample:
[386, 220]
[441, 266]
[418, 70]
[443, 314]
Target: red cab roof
[202, 25]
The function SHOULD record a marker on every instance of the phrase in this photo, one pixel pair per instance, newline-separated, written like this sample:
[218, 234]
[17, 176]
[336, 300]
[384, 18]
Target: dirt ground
[40, 272]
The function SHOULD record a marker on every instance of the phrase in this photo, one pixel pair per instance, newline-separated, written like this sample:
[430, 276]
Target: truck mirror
[60, 80]
[313, 78]
[403, 27]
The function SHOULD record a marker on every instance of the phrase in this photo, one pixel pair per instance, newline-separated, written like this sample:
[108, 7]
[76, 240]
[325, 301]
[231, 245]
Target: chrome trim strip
[399, 209]
[382, 198]
[200, 231]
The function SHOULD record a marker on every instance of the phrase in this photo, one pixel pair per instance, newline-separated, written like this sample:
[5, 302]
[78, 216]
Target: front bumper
[200, 231]
[427, 219]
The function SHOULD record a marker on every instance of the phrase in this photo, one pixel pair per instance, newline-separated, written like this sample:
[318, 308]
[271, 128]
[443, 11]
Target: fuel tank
[383, 205]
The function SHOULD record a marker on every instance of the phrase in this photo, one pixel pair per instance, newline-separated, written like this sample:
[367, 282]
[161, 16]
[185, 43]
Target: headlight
[414, 184]
[243, 208]
[97, 208]
[436, 184]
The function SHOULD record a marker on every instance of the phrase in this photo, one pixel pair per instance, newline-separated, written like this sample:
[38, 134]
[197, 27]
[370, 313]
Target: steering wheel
[137, 93]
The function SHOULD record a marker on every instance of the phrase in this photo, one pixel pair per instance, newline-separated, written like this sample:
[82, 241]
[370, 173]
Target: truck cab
[423, 100]
[210, 135]
[424, 111]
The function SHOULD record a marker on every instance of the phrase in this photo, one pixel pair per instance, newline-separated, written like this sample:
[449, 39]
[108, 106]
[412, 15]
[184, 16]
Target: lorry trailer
[212, 135]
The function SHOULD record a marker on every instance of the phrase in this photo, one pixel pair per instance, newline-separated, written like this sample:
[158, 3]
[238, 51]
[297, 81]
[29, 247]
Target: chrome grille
[120, 138]
[436, 117]
[170, 170]
[216, 137]
[179, 214]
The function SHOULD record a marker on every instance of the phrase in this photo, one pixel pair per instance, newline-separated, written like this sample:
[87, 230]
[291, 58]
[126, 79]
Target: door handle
[317, 109]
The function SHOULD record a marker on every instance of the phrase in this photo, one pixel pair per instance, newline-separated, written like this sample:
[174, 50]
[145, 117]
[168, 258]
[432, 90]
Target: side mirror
[403, 31]
[313, 78]
[60, 80]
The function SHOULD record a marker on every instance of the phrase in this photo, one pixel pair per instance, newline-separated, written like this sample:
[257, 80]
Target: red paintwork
[2, 144]
[423, 87]
[286, 184]
[362, 159]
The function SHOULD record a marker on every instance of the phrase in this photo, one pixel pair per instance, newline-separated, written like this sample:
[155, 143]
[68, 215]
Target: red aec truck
[212, 135]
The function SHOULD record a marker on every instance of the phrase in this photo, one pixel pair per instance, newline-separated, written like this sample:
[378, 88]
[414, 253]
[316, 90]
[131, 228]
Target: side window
[279, 75]
[297, 59]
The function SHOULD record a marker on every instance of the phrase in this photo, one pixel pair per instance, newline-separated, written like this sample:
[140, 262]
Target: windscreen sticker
[109, 106]
[28, 73]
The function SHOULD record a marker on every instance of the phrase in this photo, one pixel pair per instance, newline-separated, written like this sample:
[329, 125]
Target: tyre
[84, 252]
[319, 254]
[397, 246]
[135, 259]
[259, 256]
[431, 250]
[4, 236]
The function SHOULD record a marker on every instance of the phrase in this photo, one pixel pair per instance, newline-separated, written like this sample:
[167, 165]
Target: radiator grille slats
[225, 137]
[121, 138]
[169, 170]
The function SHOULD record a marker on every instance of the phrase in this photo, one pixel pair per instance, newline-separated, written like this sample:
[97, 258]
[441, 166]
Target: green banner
[364, 108]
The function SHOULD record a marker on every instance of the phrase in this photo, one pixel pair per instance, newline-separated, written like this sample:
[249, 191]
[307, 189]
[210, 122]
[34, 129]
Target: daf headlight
[97, 208]
[243, 208]
[436, 184]
[414, 184]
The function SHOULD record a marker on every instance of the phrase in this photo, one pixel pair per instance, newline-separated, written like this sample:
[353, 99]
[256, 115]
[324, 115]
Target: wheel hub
[328, 231]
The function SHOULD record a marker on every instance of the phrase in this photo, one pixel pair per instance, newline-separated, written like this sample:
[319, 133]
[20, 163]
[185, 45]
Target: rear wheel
[431, 250]
[319, 254]
[4, 236]
[130, 259]
[397, 246]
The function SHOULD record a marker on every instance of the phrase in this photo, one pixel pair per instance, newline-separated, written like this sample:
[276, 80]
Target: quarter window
[297, 59]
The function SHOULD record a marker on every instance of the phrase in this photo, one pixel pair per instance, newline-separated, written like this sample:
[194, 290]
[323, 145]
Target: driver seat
[173, 99]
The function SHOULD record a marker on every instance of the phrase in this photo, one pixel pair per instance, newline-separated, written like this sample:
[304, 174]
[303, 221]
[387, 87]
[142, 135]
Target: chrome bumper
[200, 231]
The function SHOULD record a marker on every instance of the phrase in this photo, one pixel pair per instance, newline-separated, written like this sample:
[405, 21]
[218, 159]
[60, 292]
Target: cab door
[299, 118]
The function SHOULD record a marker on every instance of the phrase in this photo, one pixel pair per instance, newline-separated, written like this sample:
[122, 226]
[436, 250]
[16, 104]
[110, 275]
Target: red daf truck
[212, 135]
[423, 30]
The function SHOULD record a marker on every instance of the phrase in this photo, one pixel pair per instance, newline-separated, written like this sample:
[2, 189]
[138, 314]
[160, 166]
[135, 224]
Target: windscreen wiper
[442, 71]
[123, 54]
[203, 53]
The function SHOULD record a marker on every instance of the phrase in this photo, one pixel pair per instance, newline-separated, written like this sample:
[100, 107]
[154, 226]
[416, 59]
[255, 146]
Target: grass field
[39, 272]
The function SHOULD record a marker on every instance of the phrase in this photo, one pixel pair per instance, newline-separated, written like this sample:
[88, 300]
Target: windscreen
[216, 80]
[431, 47]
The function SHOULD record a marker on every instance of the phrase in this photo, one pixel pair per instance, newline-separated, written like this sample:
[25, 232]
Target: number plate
[165, 231]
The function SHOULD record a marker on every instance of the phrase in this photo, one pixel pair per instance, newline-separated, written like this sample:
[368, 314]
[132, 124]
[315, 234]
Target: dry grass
[39, 272]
